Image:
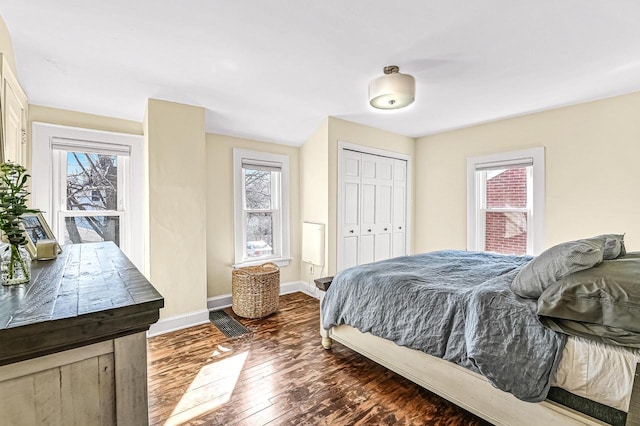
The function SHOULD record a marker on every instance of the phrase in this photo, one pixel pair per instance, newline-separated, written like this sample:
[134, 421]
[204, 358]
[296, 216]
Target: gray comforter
[455, 305]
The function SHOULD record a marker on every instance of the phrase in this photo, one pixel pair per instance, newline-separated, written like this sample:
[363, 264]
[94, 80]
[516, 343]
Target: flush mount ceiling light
[393, 90]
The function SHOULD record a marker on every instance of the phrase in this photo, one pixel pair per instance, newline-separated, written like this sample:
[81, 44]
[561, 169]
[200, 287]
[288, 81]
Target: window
[506, 202]
[261, 186]
[90, 183]
[89, 193]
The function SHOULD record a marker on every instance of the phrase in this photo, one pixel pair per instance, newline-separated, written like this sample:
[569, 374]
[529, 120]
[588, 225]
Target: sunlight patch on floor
[211, 388]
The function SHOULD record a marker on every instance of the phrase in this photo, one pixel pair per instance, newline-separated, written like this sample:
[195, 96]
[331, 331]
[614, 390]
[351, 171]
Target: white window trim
[285, 256]
[537, 223]
[42, 193]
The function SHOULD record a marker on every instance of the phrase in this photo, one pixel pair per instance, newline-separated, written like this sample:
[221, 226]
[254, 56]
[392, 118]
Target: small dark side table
[323, 283]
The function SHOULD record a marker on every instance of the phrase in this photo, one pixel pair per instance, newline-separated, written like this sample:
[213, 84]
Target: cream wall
[176, 182]
[81, 119]
[6, 46]
[220, 209]
[346, 131]
[592, 154]
[314, 189]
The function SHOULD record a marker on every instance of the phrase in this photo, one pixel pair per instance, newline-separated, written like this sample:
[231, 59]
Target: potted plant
[15, 265]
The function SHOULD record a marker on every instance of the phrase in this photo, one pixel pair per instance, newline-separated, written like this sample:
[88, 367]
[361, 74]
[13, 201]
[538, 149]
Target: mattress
[596, 371]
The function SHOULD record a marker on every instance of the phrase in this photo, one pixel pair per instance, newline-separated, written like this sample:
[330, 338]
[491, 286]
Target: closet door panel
[384, 168]
[368, 205]
[399, 208]
[351, 193]
[383, 246]
[350, 251]
[351, 205]
[383, 206]
[369, 166]
[367, 248]
[399, 244]
[352, 165]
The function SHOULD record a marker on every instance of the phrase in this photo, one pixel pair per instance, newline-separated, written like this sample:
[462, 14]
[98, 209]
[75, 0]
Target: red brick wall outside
[507, 232]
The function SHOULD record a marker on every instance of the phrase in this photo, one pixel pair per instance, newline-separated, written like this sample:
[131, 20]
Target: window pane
[91, 229]
[259, 234]
[507, 188]
[258, 189]
[506, 232]
[92, 181]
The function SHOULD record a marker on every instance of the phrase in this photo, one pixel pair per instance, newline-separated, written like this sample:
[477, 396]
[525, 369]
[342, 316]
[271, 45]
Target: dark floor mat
[229, 326]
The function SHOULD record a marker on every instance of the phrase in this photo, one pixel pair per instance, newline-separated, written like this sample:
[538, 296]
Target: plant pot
[15, 265]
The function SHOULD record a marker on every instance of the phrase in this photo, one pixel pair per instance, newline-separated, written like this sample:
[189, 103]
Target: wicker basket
[255, 290]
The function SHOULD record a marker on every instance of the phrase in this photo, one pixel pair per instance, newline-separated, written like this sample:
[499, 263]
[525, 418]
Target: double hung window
[90, 192]
[506, 202]
[90, 186]
[261, 207]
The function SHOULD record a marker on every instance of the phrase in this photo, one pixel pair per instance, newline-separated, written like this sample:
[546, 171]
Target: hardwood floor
[280, 375]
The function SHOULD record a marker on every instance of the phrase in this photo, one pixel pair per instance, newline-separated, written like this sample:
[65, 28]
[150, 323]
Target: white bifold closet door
[373, 208]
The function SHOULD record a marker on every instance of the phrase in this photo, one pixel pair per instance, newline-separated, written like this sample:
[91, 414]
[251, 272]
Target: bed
[469, 327]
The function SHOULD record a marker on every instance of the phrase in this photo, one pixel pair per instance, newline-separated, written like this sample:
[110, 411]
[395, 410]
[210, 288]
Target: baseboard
[307, 288]
[224, 301]
[190, 319]
[178, 322]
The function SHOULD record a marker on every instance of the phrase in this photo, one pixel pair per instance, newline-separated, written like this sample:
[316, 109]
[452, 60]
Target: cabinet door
[13, 122]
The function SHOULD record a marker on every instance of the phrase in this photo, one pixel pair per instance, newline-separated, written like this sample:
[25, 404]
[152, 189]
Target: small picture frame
[36, 229]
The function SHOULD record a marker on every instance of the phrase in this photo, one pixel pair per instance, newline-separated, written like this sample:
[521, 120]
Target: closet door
[351, 194]
[383, 208]
[399, 208]
[372, 208]
[368, 209]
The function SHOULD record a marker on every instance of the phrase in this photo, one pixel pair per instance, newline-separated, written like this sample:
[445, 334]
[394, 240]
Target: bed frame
[463, 387]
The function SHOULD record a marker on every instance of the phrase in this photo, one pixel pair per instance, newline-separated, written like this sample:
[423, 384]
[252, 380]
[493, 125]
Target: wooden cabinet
[13, 102]
[73, 341]
[100, 384]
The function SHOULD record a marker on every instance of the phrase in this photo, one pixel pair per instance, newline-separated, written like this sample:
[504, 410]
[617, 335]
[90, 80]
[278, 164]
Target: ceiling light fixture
[393, 90]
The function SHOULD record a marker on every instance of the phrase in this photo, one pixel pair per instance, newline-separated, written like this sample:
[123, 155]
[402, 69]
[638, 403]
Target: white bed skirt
[599, 372]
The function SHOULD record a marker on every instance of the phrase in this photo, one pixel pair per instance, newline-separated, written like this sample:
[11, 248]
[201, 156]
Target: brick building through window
[505, 229]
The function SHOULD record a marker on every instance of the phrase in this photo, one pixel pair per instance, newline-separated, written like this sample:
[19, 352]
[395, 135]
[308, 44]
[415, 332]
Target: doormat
[227, 325]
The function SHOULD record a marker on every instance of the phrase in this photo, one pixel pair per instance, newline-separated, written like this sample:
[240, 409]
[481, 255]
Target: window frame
[281, 255]
[43, 177]
[475, 190]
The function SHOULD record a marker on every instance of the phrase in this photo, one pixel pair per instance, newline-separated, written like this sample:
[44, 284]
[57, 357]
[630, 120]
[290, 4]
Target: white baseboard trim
[304, 287]
[224, 301]
[215, 303]
[178, 322]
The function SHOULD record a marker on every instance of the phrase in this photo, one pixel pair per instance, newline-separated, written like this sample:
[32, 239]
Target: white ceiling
[273, 70]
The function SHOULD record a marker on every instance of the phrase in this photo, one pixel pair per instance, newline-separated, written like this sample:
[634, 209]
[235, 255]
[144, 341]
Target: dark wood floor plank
[280, 375]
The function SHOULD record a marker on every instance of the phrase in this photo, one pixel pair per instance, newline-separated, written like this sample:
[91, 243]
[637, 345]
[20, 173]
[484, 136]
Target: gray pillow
[555, 263]
[613, 246]
[608, 294]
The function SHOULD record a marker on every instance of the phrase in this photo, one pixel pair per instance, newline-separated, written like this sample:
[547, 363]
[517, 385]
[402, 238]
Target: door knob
[385, 229]
[368, 230]
[351, 231]
[399, 227]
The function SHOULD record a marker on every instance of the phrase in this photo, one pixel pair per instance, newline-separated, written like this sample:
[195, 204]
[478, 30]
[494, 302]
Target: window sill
[280, 262]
